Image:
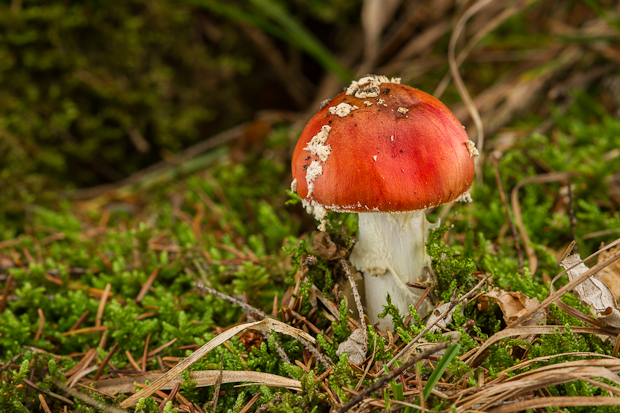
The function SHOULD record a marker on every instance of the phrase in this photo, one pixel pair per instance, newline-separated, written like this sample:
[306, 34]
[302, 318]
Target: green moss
[453, 272]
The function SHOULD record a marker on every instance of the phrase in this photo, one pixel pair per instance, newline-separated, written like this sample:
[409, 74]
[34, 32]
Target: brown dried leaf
[443, 323]
[514, 304]
[610, 275]
[323, 246]
[593, 292]
[354, 346]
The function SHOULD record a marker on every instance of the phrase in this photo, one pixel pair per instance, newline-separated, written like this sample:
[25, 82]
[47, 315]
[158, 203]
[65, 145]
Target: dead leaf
[610, 275]
[354, 346]
[593, 292]
[323, 246]
[514, 304]
[443, 323]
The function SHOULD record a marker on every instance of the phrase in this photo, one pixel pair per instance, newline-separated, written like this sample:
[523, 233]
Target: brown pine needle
[146, 351]
[105, 361]
[44, 404]
[102, 303]
[145, 288]
[37, 336]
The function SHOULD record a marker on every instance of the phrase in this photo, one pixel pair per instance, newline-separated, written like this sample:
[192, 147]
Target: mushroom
[388, 152]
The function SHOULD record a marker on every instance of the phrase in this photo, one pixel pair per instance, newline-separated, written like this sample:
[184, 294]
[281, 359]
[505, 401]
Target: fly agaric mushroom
[388, 152]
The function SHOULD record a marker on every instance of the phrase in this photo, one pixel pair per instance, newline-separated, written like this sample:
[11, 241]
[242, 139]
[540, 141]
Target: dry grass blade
[557, 401]
[460, 85]
[516, 210]
[264, 325]
[202, 378]
[491, 25]
[515, 235]
[543, 377]
[85, 398]
[545, 358]
[527, 330]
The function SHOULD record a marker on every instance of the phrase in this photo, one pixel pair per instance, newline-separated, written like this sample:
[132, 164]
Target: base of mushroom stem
[401, 296]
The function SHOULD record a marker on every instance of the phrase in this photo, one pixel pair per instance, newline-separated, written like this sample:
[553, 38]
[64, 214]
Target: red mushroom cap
[393, 149]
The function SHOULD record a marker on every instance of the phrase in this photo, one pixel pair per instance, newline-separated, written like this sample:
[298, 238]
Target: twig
[245, 306]
[13, 360]
[515, 234]
[453, 304]
[49, 393]
[380, 382]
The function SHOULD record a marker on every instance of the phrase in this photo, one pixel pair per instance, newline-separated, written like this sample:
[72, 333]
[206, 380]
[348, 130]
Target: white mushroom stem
[391, 251]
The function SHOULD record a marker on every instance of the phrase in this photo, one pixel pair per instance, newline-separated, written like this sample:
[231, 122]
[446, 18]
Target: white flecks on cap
[342, 109]
[317, 146]
[375, 158]
[471, 148]
[319, 211]
[465, 197]
[294, 186]
[324, 103]
[367, 103]
[403, 110]
[368, 86]
[312, 172]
